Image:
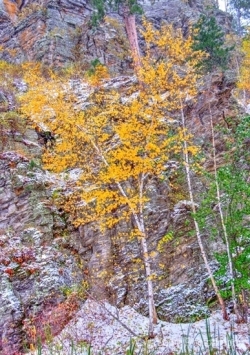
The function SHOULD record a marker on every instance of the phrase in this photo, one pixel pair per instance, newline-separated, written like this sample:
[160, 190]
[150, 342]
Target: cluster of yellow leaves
[244, 80]
[164, 240]
[169, 66]
[121, 141]
[99, 74]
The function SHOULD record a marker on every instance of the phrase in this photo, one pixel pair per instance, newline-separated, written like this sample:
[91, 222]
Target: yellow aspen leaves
[164, 240]
[244, 80]
[99, 73]
[120, 140]
[169, 66]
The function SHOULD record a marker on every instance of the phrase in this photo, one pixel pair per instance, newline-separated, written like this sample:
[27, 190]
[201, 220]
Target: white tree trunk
[197, 229]
[151, 304]
[139, 220]
[218, 196]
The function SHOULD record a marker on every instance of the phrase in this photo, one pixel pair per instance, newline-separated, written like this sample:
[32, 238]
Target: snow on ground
[109, 331]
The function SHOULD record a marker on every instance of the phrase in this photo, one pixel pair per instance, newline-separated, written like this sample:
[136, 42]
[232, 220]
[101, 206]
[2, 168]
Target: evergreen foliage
[208, 37]
[102, 7]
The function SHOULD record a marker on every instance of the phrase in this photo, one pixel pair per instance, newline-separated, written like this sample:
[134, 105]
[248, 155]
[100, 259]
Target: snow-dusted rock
[108, 330]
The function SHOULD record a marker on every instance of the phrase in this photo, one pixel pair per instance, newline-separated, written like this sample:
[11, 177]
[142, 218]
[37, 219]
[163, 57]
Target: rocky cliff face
[43, 259]
[35, 270]
[42, 30]
[58, 32]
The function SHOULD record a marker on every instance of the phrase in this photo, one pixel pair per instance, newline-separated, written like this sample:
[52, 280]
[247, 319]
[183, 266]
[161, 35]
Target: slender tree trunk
[129, 21]
[238, 18]
[197, 229]
[226, 5]
[218, 196]
[139, 220]
[151, 304]
[238, 78]
[146, 258]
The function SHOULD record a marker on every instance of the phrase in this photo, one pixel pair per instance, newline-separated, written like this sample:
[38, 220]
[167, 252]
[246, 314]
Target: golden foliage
[169, 66]
[96, 77]
[244, 80]
[164, 240]
[120, 140]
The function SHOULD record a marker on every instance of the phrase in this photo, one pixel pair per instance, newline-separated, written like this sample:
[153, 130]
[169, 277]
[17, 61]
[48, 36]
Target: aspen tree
[187, 166]
[121, 140]
[120, 148]
[223, 224]
[244, 77]
[183, 86]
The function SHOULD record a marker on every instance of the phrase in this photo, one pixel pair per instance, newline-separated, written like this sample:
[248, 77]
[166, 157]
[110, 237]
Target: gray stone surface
[42, 256]
[57, 32]
[34, 269]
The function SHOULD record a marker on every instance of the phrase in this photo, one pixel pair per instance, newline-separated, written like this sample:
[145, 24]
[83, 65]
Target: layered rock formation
[58, 32]
[54, 32]
[35, 270]
[43, 258]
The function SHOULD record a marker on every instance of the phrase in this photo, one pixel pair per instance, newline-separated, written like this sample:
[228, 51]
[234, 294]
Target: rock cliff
[57, 32]
[35, 271]
[43, 259]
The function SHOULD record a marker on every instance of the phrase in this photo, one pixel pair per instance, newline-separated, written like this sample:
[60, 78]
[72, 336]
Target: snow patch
[109, 330]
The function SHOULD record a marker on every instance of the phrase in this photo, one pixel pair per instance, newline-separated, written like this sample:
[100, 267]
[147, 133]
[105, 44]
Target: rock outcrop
[43, 259]
[36, 271]
[58, 32]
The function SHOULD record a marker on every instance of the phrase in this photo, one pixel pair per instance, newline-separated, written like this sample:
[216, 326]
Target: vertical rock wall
[58, 32]
[36, 270]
